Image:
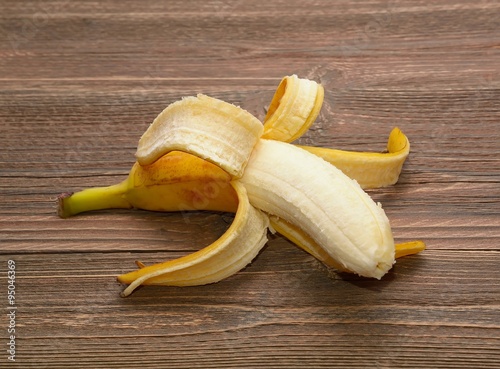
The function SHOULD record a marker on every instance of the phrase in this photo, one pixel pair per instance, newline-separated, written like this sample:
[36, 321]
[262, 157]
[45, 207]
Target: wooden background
[81, 81]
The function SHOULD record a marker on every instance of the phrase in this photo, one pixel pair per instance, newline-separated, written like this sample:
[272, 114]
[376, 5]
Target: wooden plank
[306, 314]
[80, 83]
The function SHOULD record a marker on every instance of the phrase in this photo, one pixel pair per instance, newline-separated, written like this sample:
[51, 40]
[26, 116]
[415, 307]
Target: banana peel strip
[369, 169]
[234, 250]
[409, 248]
[293, 109]
[186, 126]
[301, 239]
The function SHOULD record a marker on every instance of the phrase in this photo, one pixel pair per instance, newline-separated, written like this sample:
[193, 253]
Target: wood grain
[81, 81]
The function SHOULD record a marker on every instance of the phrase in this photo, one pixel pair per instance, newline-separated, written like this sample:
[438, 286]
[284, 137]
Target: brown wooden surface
[81, 81]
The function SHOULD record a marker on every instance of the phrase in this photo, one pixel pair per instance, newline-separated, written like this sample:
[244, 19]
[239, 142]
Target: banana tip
[120, 279]
[62, 209]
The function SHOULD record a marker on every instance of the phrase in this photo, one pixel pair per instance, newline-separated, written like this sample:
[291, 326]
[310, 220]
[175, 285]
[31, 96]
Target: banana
[237, 247]
[183, 182]
[201, 153]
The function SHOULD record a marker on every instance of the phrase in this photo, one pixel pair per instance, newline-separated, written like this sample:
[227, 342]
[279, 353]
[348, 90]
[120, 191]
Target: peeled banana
[308, 192]
[202, 153]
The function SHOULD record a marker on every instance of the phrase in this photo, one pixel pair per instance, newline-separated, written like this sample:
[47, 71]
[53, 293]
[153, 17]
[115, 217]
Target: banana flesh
[237, 247]
[201, 153]
[331, 208]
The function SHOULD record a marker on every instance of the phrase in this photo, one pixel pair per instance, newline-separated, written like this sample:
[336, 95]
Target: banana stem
[409, 248]
[97, 198]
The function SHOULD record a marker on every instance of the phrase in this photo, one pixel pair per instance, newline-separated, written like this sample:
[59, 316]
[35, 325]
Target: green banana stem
[97, 198]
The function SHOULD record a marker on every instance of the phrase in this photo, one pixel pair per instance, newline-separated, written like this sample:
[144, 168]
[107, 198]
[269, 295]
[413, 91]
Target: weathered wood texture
[80, 82]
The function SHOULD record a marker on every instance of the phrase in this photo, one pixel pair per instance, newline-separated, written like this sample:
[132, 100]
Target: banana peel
[189, 124]
[176, 181]
[201, 153]
[240, 244]
[369, 169]
[293, 109]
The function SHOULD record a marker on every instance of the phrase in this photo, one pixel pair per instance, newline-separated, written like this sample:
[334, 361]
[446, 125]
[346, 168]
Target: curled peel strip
[189, 124]
[369, 169]
[293, 109]
[234, 250]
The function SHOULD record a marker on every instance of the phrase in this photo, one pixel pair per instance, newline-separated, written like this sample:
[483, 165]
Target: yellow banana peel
[201, 153]
[240, 244]
[293, 109]
[176, 181]
[369, 169]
